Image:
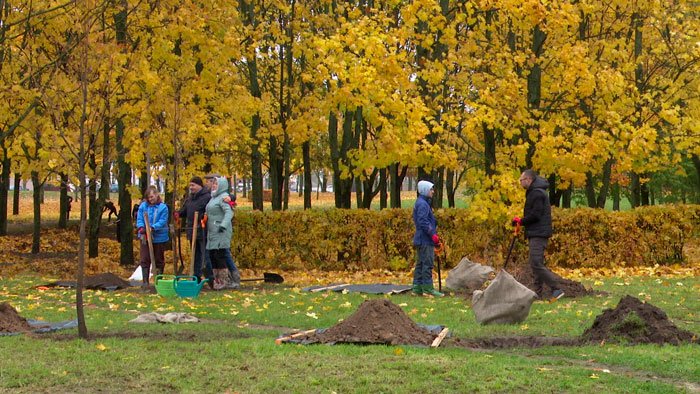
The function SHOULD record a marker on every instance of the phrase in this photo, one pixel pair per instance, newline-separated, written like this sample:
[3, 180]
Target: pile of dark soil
[375, 322]
[572, 289]
[11, 321]
[634, 321]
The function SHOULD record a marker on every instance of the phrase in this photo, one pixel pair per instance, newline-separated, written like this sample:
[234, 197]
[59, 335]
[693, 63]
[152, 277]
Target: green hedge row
[335, 239]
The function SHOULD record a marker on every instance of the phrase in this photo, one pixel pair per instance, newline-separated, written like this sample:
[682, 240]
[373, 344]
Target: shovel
[269, 277]
[512, 242]
[438, 251]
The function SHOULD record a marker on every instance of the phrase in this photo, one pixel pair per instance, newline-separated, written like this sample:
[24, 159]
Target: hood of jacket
[221, 188]
[424, 188]
[539, 183]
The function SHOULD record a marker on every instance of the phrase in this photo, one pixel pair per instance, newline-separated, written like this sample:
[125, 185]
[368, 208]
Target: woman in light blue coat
[219, 231]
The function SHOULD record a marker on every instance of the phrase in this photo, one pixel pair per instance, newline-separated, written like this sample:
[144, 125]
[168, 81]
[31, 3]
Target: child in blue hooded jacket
[425, 240]
[157, 212]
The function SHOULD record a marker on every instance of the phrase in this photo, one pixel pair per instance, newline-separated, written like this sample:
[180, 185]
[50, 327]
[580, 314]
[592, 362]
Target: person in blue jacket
[425, 240]
[157, 212]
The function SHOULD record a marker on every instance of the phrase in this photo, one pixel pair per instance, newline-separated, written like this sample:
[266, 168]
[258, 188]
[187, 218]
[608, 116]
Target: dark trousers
[201, 254]
[423, 274]
[218, 258]
[229, 261]
[158, 254]
[541, 273]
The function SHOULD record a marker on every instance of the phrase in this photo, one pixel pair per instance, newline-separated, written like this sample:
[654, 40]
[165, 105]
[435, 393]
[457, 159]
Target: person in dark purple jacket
[425, 240]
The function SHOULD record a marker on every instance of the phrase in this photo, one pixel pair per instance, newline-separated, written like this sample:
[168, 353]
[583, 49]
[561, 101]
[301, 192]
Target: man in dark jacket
[537, 219]
[199, 197]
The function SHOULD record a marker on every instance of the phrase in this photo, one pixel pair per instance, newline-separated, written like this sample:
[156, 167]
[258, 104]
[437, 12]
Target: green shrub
[338, 239]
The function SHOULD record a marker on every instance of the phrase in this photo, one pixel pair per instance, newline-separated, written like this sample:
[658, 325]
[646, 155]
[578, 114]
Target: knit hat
[197, 180]
[424, 188]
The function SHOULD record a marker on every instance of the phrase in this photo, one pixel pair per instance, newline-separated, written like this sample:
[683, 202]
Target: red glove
[204, 220]
[438, 248]
[176, 215]
[516, 220]
[232, 204]
[436, 239]
[142, 230]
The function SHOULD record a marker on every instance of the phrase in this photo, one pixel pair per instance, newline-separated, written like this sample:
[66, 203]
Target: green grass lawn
[234, 350]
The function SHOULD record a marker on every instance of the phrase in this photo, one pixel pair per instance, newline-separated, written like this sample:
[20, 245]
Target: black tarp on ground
[44, 327]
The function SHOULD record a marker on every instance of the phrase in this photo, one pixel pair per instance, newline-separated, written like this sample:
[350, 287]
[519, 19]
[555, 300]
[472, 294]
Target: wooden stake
[438, 339]
[195, 224]
[327, 288]
[297, 335]
[149, 240]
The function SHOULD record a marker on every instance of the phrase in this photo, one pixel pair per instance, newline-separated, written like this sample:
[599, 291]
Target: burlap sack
[505, 301]
[467, 275]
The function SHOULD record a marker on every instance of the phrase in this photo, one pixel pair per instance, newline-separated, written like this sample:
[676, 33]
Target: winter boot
[234, 279]
[417, 290]
[219, 282]
[144, 273]
[429, 290]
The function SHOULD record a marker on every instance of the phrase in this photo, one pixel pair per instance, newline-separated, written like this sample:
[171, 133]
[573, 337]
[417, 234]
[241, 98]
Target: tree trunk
[566, 197]
[342, 187]
[696, 164]
[63, 202]
[644, 193]
[276, 173]
[382, 188]
[144, 180]
[615, 190]
[396, 180]
[534, 88]
[368, 189]
[449, 185]
[256, 157]
[36, 229]
[438, 178]
[126, 237]
[306, 154]
[635, 195]
[603, 194]
[15, 200]
[4, 186]
[95, 212]
[590, 190]
[489, 151]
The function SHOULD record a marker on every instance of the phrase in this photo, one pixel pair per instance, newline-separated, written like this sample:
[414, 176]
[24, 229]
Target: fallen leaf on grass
[101, 347]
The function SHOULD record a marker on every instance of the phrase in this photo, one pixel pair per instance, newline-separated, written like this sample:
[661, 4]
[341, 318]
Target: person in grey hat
[425, 240]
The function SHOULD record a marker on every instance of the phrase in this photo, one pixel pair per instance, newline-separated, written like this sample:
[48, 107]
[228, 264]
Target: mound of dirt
[11, 321]
[377, 322]
[634, 321]
[572, 289]
[105, 281]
